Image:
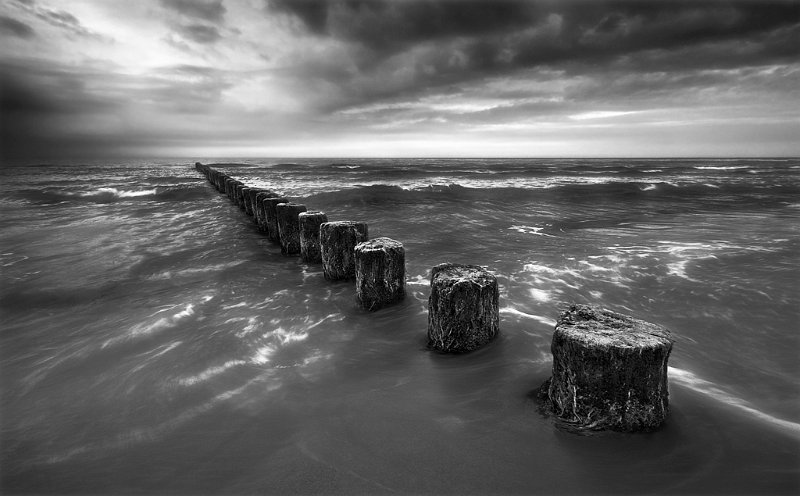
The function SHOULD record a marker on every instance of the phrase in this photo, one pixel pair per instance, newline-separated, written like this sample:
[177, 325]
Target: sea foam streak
[688, 379]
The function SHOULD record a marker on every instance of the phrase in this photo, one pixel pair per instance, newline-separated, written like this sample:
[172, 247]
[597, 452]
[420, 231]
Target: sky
[400, 78]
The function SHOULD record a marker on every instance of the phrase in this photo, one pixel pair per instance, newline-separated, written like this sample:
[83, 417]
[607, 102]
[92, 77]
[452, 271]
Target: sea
[154, 341]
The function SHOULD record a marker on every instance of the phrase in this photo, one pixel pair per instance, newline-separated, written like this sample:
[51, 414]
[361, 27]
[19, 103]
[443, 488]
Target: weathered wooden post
[235, 187]
[270, 215]
[380, 272]
[309, 236]
[287, 215]
[463, 308]
[609, 370]
[244, 204]
[337, 242]
[251, 203]
[229, 183]
[261, 216]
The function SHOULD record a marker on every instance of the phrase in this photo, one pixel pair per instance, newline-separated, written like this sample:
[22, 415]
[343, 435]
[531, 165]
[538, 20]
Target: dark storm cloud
[16, 28]
[58, 18]
[200, 33]
[388, 26]
[51, 109]
[196, 20]
[445, 42]
[211, 11]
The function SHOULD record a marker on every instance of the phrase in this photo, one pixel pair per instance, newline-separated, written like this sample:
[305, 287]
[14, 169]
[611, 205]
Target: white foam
[168, 274]
[159, 325]
[721, 167]
[690, 380]
[263, 355]
[122, 193]
[287, 336]
[539, 295]
[252, 326]
[209, 373]
[419, 280]
[530, 230]
[539, 318]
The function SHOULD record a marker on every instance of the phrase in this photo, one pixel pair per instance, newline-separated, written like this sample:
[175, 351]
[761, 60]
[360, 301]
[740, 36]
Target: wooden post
[463, 308]
[309, 236]
[609, 370]
[261, 216]
[289, 226]
[245, 204]
[338, 241]
[380, 272]
[270, 215]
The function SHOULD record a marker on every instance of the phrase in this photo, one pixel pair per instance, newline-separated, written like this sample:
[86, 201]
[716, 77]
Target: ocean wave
[606, 190]
[691, 381]
[182, 192]
[721, 167]
[156, 326]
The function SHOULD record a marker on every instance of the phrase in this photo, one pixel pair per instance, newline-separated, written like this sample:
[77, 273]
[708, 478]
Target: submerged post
[309, 236]
[463, 308]
[287, 215]
[380, 272]
[609, 370]
[337, 242]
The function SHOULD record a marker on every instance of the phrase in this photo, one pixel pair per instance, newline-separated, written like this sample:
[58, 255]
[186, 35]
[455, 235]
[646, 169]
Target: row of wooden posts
[609, 369]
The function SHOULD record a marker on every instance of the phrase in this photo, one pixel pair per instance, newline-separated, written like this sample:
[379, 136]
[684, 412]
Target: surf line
[689, 380]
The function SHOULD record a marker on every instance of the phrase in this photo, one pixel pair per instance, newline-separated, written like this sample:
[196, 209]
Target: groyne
[609, 369]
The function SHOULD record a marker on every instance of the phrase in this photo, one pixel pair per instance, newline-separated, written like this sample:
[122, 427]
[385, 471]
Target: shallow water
[154, 341]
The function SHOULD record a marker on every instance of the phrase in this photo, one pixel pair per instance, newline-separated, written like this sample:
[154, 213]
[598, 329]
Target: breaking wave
[111, 195]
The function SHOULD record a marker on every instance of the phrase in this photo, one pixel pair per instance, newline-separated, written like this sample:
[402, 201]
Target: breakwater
[598, 354]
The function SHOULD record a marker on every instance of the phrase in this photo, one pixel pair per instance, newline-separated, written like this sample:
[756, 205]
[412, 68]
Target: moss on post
[380, 272]
[463, 308]
[338, 241]
[287, 215]
[609, 370]
[309, 236]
